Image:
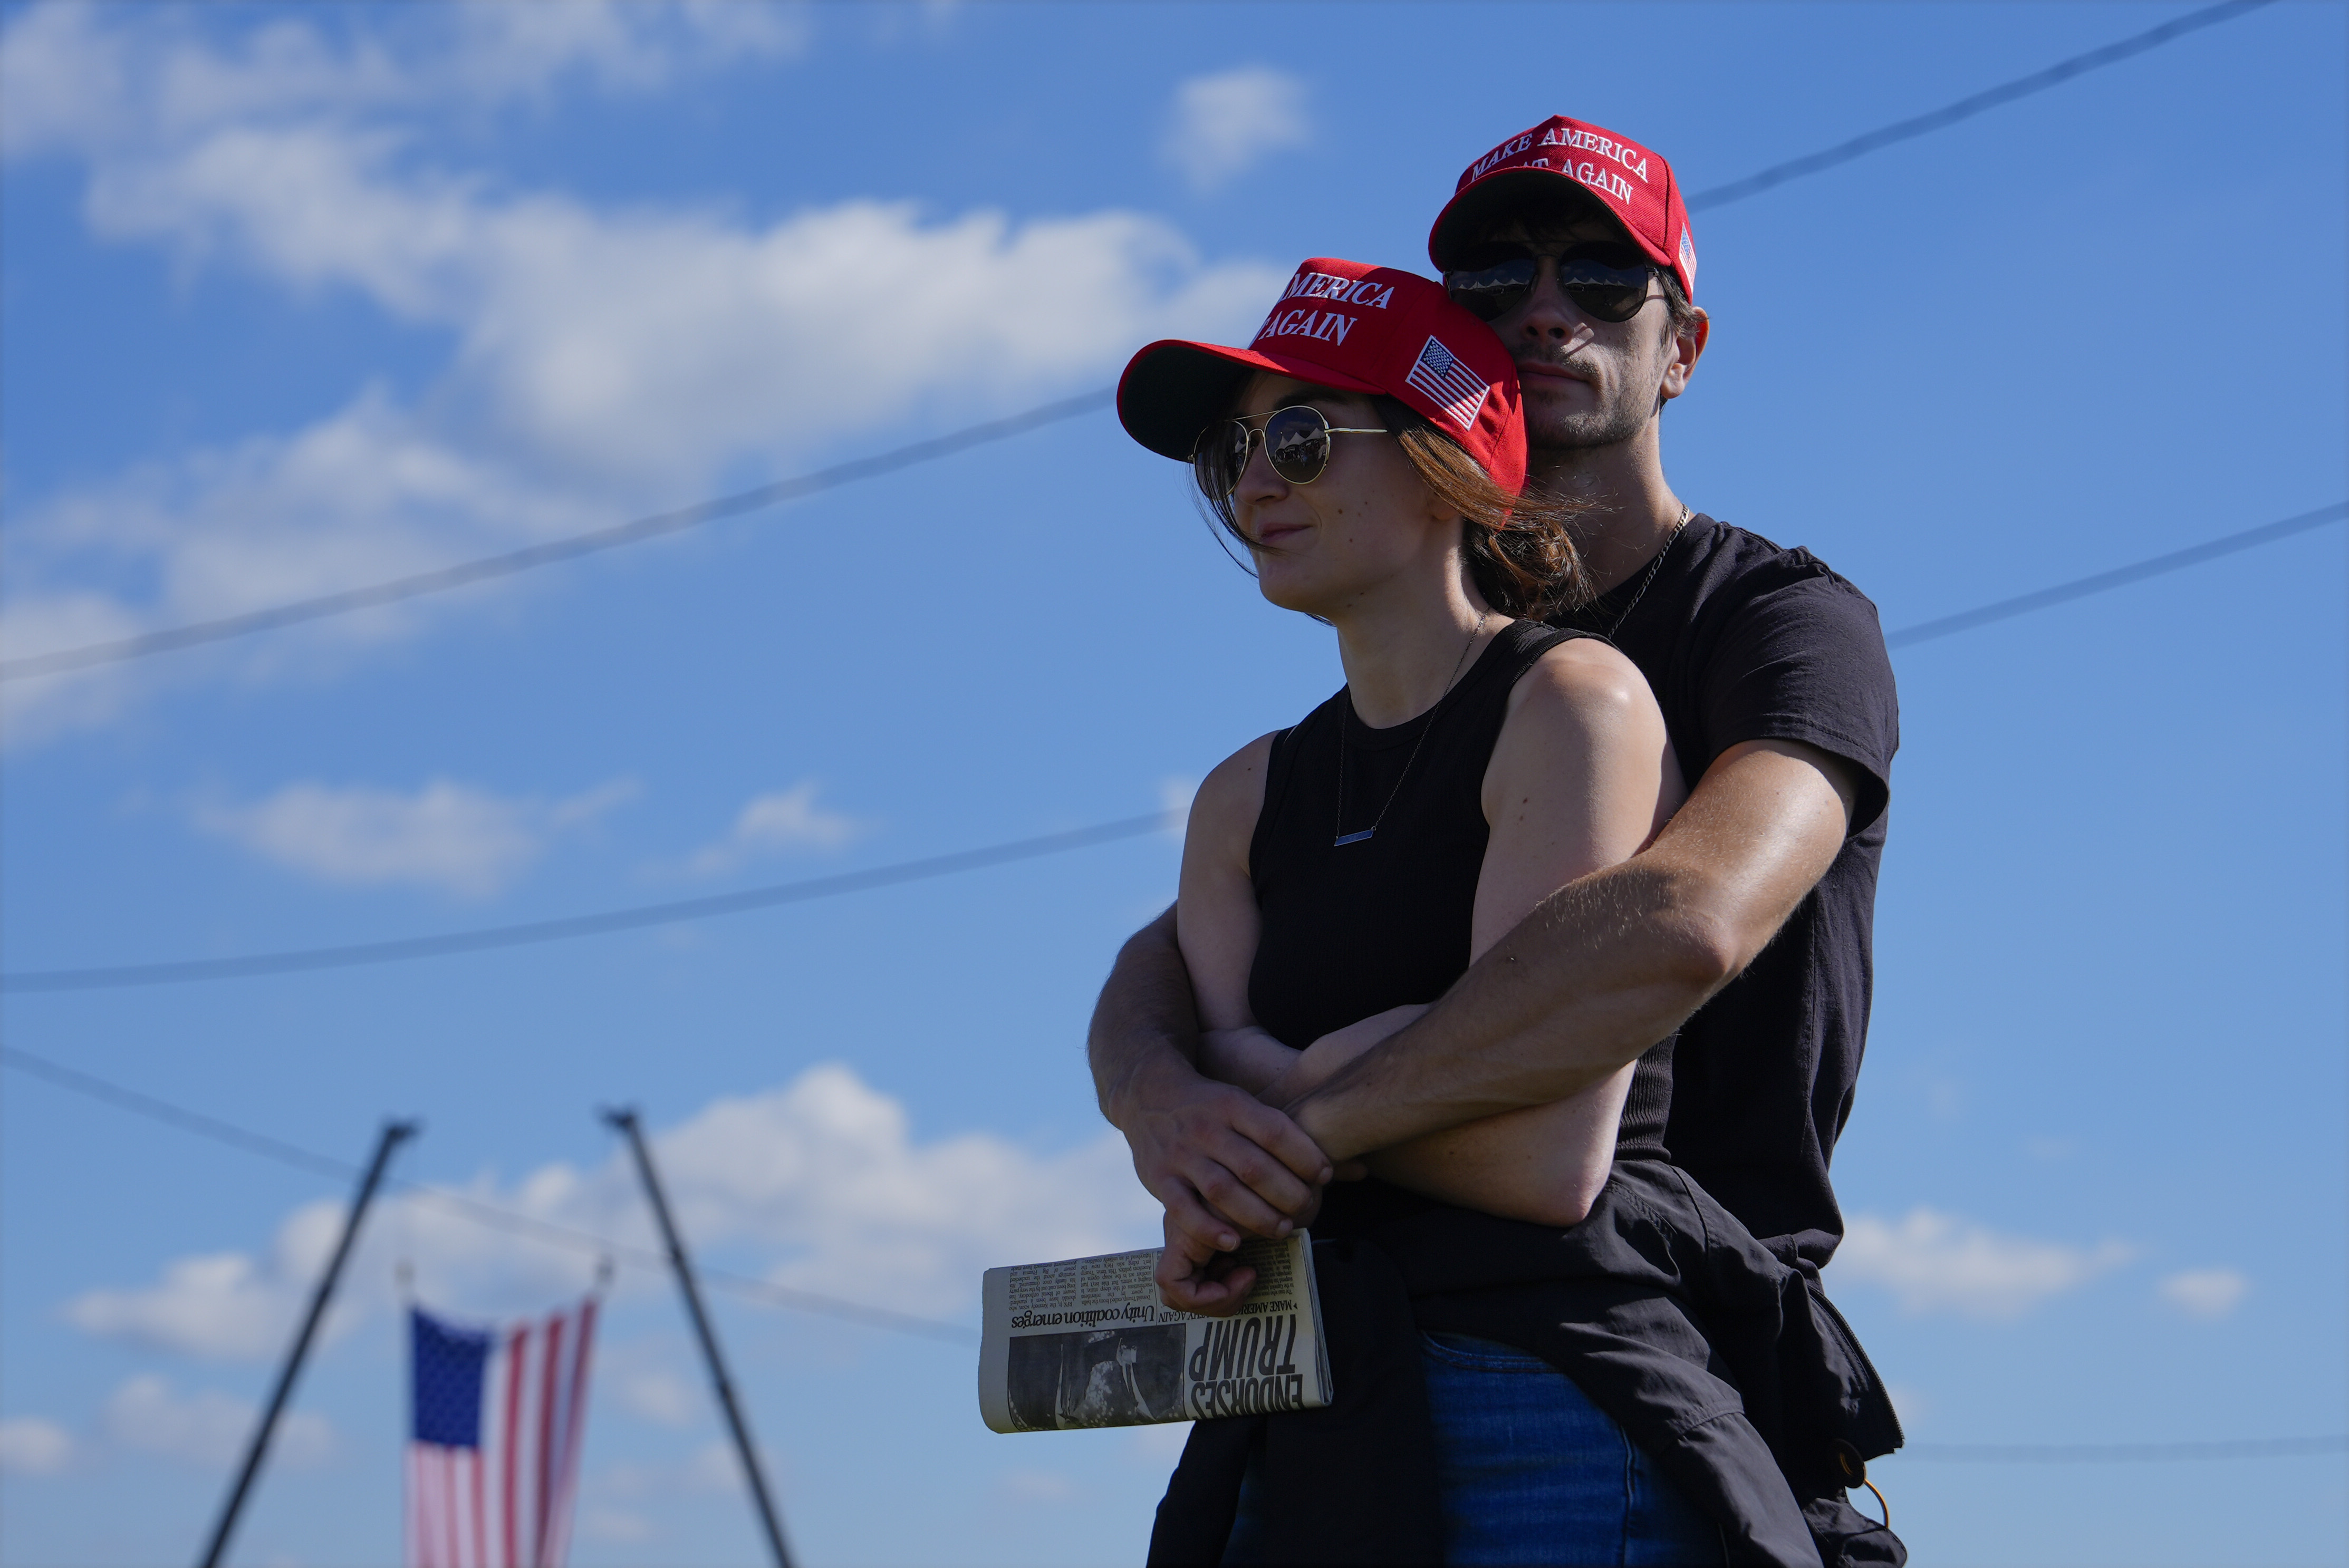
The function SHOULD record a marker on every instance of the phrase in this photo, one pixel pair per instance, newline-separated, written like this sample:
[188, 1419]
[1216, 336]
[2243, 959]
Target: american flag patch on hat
[1449, 385]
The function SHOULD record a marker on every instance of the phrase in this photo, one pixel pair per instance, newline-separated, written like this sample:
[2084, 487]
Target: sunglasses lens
[1219, 457]
[1597, 288]
[1490, 291]
[1296, 441]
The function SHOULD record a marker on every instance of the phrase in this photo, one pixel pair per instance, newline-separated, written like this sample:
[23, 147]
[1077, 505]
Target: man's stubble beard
[1560, 437]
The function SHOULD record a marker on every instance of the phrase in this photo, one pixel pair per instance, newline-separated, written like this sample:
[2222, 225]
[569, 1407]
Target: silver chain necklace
[1653, 567]
[1344, 838]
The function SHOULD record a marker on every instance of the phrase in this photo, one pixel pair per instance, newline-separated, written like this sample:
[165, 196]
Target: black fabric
[1351, 1483]
[1350, 930]
[1716, 1355]
[1743, 639]
[1722, 1362]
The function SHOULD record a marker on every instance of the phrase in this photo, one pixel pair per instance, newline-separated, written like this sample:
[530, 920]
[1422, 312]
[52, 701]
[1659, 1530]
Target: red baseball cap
[1636, 187]
[1359, 329]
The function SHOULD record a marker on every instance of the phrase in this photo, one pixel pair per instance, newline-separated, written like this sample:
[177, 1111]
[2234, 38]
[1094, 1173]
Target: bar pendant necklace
[1344, 838]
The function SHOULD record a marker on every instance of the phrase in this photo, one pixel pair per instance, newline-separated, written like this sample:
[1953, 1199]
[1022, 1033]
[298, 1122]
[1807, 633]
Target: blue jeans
[1530, 1472]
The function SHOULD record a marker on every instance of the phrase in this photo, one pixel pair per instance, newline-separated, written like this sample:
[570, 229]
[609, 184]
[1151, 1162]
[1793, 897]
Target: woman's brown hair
[1520, 548]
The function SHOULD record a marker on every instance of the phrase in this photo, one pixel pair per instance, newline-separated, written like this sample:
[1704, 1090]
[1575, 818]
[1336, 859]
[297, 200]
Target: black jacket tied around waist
[1727, 1364]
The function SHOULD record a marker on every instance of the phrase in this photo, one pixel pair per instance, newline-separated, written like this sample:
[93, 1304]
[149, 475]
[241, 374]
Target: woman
[1369, 453]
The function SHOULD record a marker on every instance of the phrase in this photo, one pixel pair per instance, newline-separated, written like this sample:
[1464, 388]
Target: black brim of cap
[1172, 389]
[1498, 195]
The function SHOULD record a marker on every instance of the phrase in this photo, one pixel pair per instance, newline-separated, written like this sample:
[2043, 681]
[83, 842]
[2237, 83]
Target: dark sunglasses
[1609, 285]
[1296, 443]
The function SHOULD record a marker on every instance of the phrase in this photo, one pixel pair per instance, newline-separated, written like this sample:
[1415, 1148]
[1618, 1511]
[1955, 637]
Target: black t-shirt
[1742, 641]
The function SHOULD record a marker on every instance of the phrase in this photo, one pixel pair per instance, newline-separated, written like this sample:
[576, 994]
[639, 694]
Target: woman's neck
[1403, 645]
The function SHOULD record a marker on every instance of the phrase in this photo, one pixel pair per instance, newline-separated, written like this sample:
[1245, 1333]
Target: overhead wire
[2120, 577]
[112, 978]
[2126, 1453]
[441, 581]
[1966, 108]
[529, 932]
[198, 633]
[495, 1216]
[514, 1222]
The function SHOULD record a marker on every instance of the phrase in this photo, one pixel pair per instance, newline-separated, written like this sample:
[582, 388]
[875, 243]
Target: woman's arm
[1581, 777]
[1215, 926]
[1215, 919]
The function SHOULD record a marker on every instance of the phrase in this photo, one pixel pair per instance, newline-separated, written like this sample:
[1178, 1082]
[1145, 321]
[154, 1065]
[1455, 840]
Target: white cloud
[782, 820]
[661, 1398]
[31, 1445]
[2206, 1293]
[221, 1306]
[614, 1524]
[607, 361]
[1224, 124]
[69, 81]
[1934, 1262]
[1174, 796]
[445, 835]
[1160, 1444]
[1035, 1488]
[821, 1180]
[209, 1428]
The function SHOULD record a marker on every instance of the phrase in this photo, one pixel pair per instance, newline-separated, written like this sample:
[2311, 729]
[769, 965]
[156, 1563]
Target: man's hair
[1680, 312]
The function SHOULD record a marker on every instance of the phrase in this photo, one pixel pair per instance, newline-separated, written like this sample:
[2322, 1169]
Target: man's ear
[1687, 347]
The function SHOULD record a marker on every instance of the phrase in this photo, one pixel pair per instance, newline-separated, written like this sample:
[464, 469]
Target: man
[1745, 925]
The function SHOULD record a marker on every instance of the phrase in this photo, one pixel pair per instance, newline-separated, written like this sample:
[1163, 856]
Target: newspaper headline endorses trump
[1086, 1343]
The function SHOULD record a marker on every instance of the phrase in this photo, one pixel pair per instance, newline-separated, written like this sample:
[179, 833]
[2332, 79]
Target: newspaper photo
[1086, 1343]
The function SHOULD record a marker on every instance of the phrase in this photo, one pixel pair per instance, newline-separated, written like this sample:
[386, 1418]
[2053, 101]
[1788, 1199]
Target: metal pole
[625, 1121]
[394, 1134]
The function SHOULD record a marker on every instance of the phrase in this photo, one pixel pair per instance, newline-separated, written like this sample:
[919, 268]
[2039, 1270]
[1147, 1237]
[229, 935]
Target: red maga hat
[1636, 187]
[1356, 328]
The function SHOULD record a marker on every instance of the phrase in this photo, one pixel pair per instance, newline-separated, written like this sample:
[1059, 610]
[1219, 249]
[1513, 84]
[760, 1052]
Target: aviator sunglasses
[1606, 285]
[1296, 443]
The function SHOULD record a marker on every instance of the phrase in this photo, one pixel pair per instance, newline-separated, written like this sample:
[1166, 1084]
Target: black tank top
[1352, 929]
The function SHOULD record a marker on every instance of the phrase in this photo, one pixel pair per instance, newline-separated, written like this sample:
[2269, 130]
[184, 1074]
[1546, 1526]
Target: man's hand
[1224, 1164]
[1192, 1278]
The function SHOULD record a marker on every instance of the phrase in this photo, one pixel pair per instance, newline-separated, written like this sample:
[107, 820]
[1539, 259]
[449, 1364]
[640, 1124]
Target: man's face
[1587, 382]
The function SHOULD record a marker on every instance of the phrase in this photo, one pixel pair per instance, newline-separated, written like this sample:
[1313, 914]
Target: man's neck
[1633, 510]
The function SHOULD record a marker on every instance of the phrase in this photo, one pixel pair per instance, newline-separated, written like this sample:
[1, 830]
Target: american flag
[493, 1442]
[1448, 383]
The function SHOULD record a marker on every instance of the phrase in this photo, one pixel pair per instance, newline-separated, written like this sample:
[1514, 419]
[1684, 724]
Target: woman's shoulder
[1579, 679]
[1229, 798]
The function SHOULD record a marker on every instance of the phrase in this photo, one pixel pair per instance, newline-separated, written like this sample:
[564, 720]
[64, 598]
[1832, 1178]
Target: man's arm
[1608, 964]
[1223, 1162]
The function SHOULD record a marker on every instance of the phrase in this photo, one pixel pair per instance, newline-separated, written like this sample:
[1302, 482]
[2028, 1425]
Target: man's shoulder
[1743, 564]
[1734, 574]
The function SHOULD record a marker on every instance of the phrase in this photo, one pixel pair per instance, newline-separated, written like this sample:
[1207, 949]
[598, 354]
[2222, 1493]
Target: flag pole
[394, 1134]
[624, 1122]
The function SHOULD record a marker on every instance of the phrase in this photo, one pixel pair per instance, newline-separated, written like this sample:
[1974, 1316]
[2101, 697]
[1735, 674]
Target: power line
[172, 639]
[2121, 1453]
[492, 1215]
[2102, 582]
[526, 933]
[113, 977]
[517, 1223]
[196, 634]
[1967, 107]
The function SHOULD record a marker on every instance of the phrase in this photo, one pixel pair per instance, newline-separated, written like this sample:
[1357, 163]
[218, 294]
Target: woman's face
[1368, 519]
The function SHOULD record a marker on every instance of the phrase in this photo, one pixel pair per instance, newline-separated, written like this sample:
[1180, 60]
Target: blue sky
[299, 299]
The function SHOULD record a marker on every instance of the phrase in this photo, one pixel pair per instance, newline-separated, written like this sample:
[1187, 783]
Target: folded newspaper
[1086, 1343]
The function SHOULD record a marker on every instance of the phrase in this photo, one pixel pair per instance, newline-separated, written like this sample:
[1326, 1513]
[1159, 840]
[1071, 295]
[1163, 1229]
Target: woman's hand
[1247, 1057]
[1315, 1063]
